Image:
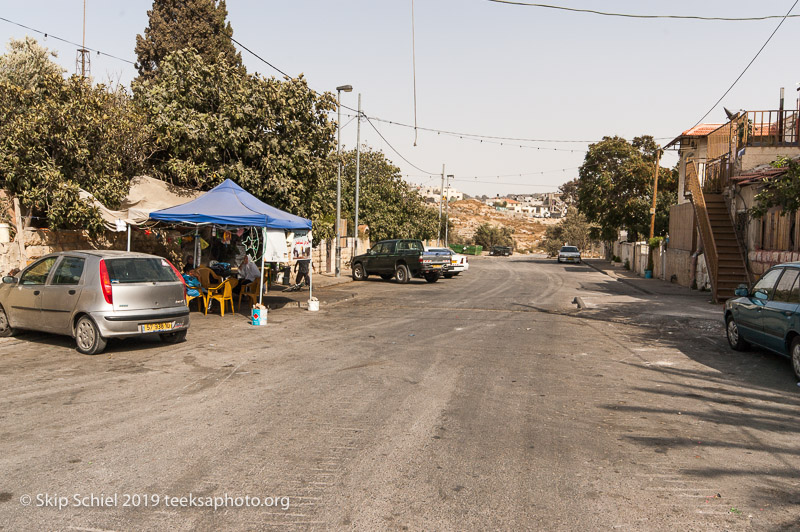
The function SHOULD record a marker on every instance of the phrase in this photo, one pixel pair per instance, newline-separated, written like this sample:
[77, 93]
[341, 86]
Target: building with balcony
[720, 170]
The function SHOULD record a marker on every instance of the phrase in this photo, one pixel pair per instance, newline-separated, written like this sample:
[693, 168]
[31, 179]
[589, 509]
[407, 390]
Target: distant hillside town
[535, 205]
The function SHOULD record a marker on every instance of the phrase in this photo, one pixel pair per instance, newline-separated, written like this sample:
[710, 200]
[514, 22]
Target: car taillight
[105, 282]
[174, 269]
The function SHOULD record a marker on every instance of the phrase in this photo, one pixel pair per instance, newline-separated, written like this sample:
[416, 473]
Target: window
[380, 248]
[413, 244]
[766, 284]
[37, 274]
[139, 270]
[69, 271]
[783, 290]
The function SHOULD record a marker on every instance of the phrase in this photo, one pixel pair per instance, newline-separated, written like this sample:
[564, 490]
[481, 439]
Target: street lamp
[339, 89]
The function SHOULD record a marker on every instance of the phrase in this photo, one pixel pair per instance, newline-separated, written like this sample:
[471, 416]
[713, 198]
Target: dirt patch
[467, 215]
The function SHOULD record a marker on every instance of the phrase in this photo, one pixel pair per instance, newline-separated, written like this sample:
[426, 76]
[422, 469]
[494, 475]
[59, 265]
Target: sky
[482, 68]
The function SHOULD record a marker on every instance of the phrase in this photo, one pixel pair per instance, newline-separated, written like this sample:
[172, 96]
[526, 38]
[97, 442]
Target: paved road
[488, 401]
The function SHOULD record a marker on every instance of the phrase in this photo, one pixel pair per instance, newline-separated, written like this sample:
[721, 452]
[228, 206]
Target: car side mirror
[741, 291]
[761, 295]
[370, 252]
[8, 279]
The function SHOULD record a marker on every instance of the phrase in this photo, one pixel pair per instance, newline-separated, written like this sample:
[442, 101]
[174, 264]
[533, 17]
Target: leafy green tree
[178, 24]
[782, 191]
[27, 64]
[615, 187]
[273, 138]
[488, 235]
[569, 191]
[60, 136]
[574, 230]
[386, 203]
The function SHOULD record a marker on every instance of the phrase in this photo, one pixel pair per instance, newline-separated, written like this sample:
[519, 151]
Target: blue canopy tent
[230, 204]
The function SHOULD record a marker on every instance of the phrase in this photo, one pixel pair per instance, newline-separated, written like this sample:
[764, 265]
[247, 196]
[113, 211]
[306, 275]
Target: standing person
[248, 272]
[301, 267]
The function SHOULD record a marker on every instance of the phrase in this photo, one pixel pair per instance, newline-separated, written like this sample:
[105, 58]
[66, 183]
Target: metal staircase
[723, 253]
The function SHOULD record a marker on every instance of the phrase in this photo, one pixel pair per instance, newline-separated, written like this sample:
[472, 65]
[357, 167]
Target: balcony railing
[754, 128]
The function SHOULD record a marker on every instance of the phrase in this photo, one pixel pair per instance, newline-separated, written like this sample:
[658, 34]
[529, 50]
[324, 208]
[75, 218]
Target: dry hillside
[467, 215]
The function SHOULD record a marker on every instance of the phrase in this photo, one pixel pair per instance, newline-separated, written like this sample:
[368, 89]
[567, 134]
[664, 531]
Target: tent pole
[311, 269]
[129, 237]
[263, 255]
[196, 246]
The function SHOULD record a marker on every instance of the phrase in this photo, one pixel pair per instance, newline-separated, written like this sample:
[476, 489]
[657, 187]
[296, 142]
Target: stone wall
[40, 242]
[761, 261]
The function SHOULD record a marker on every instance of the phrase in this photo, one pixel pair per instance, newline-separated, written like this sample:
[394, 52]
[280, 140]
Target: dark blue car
[769, 315]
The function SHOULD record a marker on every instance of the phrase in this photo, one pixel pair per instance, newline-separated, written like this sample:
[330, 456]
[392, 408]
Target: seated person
[188, 264]
[248, 272]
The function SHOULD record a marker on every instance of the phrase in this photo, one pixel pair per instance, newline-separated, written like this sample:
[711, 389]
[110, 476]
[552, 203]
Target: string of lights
[632, 15]
[56, 37]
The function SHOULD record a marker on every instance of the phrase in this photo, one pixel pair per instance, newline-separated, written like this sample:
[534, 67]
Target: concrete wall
[757, 155]
[678, 263]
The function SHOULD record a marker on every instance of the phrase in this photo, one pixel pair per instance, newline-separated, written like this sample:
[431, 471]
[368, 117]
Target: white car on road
[458, 262]
[569, 254]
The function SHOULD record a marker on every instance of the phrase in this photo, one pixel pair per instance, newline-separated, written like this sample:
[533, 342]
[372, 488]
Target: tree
[615, 187]
[781, 191]
[569, 191]
[488, 235]
[573, 230]
[27, 64]
[274, 138]
[178, 24]
[386, 203]
[60, 136]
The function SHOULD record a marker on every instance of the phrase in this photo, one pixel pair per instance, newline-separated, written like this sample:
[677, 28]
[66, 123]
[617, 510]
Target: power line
[395, 150]
[750, 63]
[260, 58]
[631, 15]
[79, 46]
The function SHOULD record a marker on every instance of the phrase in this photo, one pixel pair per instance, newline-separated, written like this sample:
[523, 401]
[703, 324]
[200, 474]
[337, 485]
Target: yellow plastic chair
[249, 291]
[222, 294]
[208, 279]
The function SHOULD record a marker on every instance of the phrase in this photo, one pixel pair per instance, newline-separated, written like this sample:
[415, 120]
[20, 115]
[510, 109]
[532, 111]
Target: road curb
[620, 279]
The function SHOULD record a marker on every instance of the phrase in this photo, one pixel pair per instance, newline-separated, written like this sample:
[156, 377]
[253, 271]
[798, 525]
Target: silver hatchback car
[96, 295]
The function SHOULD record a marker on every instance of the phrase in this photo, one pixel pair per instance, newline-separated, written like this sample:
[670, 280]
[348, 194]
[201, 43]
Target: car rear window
[568, 249]
[139, 270]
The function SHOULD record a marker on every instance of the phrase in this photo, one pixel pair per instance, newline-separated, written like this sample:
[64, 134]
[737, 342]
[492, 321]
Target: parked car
[458, 262]
[769, 315]
[569, 254]
[401, 259]
[96, 295]
[504, 251]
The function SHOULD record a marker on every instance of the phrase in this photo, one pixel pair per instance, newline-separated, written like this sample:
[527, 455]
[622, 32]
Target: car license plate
[156, 327]
[435, 266]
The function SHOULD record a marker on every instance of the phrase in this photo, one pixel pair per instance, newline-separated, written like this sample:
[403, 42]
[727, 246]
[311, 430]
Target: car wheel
[386, 276]
[795, 352]
[735, 339]
[432, 277]
[359, 274]
[401, 274]
[173, 337]
[456, 273]
[5, 328]
[87, 337]
[448, 275]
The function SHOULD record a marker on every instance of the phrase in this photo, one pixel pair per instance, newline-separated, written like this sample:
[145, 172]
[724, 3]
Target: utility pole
[447, 213]
[655, 194]
[358, 176]
[441, 195]
[83, 60]
[337, 225]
